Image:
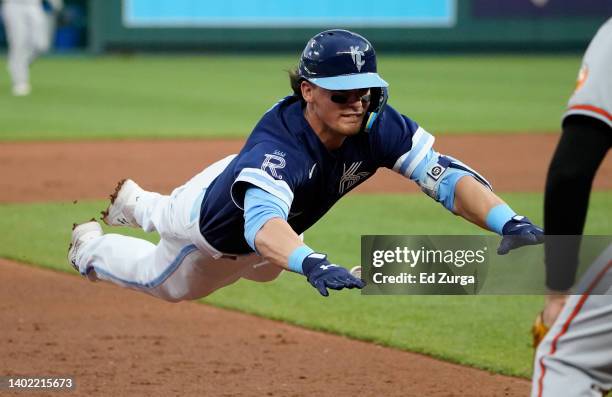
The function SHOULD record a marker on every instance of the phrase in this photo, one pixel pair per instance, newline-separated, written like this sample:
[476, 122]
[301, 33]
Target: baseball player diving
[243, 216]
[574, 357]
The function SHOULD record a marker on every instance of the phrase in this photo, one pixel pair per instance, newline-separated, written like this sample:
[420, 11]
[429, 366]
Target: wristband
[296, 258]
[498, 216]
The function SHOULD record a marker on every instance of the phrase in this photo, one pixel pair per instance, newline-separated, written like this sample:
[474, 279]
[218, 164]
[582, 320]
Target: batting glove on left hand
[322, 274]
[517, 232]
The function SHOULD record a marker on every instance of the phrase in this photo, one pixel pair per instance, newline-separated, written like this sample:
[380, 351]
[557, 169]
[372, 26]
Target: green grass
[488, 332]
[224, 96]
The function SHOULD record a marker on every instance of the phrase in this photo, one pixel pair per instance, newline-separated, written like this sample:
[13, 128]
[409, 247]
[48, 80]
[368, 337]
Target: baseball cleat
[120, 212]
[80, 235]
[22, 89]
[356, 271]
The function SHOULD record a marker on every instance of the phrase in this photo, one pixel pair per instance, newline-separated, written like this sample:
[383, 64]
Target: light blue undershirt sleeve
[498, 216]
[297, 257]
[259, 207]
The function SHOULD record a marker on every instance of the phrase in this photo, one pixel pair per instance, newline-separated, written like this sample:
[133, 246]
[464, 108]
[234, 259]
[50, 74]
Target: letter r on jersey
[273, 162]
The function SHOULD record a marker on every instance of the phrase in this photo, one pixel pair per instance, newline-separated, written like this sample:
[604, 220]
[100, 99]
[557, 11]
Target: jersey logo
[356, 55]
[583, 74]
[350, 177]
[273, 162]
[311, 171]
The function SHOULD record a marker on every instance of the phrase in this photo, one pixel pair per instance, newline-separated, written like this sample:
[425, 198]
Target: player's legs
[176, 217]
[173, 270]
[182, 266]
[15, 23]
[579, 365]
[39, 32]
[130, 262]
[173, 216]
[574, 359]
[562, 379]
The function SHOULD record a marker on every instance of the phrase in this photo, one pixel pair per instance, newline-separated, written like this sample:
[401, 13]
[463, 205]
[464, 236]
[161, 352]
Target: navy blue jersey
[285, 157]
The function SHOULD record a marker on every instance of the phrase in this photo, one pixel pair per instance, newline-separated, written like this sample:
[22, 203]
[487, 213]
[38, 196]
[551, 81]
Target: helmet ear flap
[378, 101]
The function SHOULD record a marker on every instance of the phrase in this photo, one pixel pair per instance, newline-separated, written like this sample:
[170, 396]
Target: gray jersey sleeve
[593, 95]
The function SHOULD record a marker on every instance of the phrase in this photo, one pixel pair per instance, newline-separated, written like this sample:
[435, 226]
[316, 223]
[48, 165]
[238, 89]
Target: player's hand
[552, 307]
[517, 232]
[555, 302]
[322, 274]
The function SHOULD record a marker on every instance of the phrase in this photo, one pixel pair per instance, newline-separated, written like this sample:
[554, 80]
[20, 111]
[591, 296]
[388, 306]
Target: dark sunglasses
[344, 98]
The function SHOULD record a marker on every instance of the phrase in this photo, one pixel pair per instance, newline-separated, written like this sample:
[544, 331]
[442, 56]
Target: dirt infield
[118, 342]
[86, 170]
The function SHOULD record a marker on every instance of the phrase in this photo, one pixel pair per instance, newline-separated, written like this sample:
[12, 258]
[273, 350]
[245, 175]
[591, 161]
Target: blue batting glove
[517, 232]
[322, 274]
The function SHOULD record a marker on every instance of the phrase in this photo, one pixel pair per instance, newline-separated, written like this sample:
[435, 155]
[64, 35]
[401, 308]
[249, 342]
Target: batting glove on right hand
[322, 274]
[517, 232]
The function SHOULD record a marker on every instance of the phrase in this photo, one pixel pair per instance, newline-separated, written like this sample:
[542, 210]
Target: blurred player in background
[29, 27]
[242, 216]
[575, 356]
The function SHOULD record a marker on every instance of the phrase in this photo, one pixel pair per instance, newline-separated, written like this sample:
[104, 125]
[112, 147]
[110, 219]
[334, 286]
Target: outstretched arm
[268, 233]
[473, 201]
[479, 205]
[465, 192]
[276, 240]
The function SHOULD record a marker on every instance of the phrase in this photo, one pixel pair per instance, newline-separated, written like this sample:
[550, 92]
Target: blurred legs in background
[29, 30]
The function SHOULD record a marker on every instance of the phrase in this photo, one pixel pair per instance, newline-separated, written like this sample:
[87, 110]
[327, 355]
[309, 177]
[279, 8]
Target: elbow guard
[437, 176]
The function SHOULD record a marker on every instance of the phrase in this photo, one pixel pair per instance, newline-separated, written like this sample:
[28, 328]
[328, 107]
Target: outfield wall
[277, 25]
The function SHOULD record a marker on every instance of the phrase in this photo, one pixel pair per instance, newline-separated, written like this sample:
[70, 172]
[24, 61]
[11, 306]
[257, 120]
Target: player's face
[335, 114]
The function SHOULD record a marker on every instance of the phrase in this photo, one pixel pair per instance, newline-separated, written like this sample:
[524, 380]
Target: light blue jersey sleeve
[259, 207]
